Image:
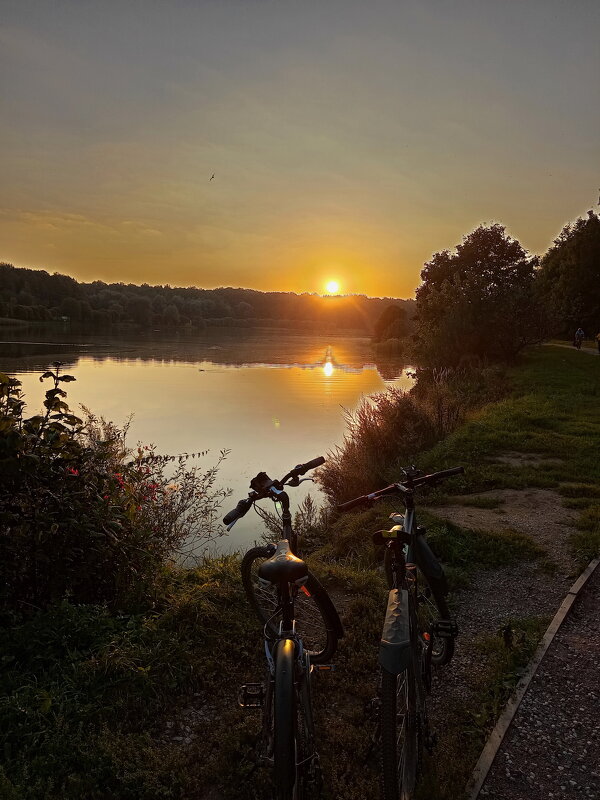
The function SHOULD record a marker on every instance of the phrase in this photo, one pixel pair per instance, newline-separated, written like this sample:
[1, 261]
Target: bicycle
[418, 632]
[301, 629]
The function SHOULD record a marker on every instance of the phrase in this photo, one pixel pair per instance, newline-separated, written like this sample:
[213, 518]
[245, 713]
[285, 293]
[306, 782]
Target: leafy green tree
[170, 316]
[477, 301]
[71, 307]
[569, 277]
[140, 310]
[392, 324]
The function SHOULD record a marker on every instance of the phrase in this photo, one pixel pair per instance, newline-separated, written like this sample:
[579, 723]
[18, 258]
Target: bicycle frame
[400, 622]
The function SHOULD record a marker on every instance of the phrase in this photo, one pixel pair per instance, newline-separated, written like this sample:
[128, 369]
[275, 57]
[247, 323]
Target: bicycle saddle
[283, 566]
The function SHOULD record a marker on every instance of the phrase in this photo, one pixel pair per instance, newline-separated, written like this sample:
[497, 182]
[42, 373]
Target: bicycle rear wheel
[431, 607]
[317, 621]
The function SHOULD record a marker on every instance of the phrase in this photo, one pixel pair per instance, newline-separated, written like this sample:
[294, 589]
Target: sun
[333, 287]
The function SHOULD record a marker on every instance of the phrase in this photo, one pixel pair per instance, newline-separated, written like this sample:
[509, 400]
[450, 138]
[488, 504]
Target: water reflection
[273, 400]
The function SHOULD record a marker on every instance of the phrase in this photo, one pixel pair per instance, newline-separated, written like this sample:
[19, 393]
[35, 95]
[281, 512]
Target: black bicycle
[301, 628]
[418, 632]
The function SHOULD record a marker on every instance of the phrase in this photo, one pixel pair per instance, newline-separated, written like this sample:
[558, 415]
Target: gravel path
[499, 595]
[505, 593]
[552, 749]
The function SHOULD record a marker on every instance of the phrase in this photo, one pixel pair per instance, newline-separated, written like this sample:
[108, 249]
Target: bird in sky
[211, 177]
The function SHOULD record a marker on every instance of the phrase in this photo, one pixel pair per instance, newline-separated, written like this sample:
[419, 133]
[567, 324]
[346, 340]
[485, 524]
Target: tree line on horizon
[37, 296]
[485, 300]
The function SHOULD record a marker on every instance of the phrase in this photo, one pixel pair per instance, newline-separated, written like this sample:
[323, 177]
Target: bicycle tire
[317, 621]
[442, 648]
[400, 736]
[284, 717]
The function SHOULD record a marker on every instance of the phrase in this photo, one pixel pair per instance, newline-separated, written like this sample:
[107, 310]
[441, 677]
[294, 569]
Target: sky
[349, 140]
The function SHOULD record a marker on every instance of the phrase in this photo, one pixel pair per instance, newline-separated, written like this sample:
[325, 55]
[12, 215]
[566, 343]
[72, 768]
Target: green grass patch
[470, 550]
[86, 694]
[552, 411]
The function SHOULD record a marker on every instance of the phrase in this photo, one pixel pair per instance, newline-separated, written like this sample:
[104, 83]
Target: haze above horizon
[348, 141]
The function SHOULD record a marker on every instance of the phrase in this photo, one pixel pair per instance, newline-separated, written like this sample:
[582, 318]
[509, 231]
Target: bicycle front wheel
[399, 734]
[317, 622]
[284, 717]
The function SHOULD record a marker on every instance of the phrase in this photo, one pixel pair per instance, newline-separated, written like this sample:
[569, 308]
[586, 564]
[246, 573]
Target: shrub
[386, 432]
[447, 393]
[82, 516]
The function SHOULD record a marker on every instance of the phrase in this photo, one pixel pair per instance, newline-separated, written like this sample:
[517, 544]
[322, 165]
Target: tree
[140, 310]
[570, 277]
[392, 324]
[71, 307]
[477, 301]
[170, 316]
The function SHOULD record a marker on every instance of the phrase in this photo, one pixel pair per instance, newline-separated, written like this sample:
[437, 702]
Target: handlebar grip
[358, 501]
[316, 462]
[435, 477]
[446, 473]
[237, 512]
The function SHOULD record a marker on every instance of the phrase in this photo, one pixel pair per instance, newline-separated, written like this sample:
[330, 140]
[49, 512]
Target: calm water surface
[272, 399]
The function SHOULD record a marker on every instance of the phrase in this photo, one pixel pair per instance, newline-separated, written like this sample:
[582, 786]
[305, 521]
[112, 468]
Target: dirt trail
[537, 513]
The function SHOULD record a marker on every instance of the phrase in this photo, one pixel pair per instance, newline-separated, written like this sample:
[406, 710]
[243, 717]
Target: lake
[273, 399]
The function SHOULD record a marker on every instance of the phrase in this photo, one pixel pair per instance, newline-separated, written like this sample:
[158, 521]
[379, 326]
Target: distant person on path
[579, 337]
[598, 341]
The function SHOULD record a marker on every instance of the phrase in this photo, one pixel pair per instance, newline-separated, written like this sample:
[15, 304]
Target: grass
[552, 411]
[87, 694]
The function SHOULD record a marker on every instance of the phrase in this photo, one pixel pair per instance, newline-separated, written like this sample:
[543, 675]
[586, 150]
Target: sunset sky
[349, 140]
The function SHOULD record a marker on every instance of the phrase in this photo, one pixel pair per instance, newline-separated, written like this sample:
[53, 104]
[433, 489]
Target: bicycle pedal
[445, 628]
[251, 695]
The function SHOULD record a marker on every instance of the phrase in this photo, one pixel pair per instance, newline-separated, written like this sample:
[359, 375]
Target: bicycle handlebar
[301, 469]
[316, 462]
[244, 505]
[399, 488]
[238, 512]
